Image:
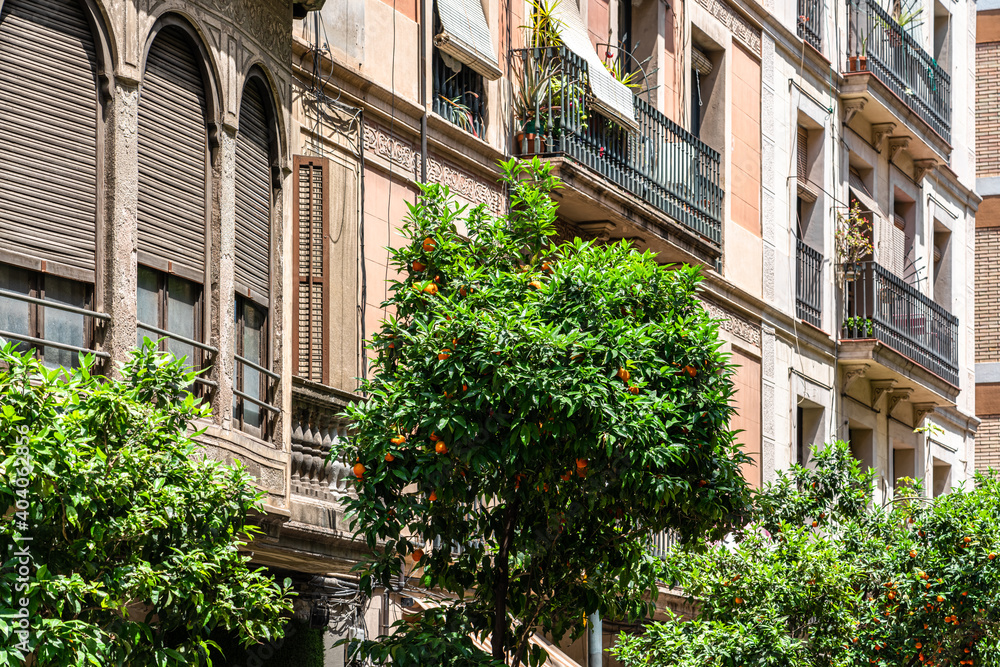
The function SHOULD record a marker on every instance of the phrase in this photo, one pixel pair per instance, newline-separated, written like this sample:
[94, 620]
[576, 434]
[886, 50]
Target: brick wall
[987, 103]
[988, 443]
[987, 294]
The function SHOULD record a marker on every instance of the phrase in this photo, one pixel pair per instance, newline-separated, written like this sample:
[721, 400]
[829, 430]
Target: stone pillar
[221, 276]
[120, 231]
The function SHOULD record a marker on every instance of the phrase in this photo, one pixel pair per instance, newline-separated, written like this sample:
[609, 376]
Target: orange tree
[820, 577]
[536, 412]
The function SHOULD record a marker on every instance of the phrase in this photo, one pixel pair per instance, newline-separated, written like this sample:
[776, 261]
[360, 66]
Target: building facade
[228, 174]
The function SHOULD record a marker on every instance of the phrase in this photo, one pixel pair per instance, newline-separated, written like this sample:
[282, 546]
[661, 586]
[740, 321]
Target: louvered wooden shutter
[803, 155]
[898, 232]
[312, 284]
[253, 196]
[48, 132]
[173, 151]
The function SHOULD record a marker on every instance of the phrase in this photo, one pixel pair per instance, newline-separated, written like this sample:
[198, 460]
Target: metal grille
[48, 132]
[459, 96]
[810, 23]
[881, 306]
[808, 284]
[901, 64]
[663, 163]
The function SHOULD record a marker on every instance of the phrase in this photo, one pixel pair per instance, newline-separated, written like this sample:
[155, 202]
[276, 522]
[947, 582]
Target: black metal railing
[810, 22]
[661, 162]
[459, 97]
[663, 542]
[891, 54]
[808, 284]
[882, 306]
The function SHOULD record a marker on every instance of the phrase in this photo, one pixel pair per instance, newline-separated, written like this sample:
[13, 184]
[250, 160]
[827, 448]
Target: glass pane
[252, 349]
[182, 301]
[61, 326]
[15, 315]
[148, 301]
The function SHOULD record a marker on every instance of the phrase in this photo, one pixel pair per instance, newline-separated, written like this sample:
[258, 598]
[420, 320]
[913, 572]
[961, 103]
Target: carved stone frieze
[735, 324]
[404, 155]
[742, 29]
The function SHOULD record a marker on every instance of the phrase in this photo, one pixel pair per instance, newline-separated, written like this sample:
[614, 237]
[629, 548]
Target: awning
[611, 97]
[556, 657]
[465, 36]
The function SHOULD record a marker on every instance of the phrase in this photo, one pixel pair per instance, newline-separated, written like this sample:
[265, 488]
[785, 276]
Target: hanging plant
[852, 239]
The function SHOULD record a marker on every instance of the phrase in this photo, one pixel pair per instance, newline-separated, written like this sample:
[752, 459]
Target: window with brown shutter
[806, 189]
[312, 259]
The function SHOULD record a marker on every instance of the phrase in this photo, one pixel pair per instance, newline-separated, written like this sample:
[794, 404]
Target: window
[312, 262]
[251, 385]
[170, 306]
[30, 323]
[459, 94]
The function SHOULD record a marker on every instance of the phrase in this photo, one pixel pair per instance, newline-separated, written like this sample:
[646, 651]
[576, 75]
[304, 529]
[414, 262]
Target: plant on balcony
[461, 114]
[852, 239]
[857, 325]
[123, 543]
[821, 578]
[544, 407]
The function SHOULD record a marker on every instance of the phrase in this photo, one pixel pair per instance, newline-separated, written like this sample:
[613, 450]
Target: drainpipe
[425, 18]
[595, 638]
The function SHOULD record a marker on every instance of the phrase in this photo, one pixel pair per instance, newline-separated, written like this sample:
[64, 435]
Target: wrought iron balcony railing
[882, 306]
[810, 22]
[661, 163]
[878, 44]
[808, 284]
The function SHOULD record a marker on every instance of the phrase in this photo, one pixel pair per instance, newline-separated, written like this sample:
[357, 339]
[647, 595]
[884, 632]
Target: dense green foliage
[298, 646]
[820, 577]
[547, 407]
[131, 536]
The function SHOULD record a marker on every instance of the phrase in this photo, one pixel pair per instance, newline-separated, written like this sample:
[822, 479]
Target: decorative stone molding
[379, 141]
[895, 396]
[853, 106]
[880, 132]
[879, 387]
[922, 167]
[735, 324]
[853, 373]
[921, 410]
[742, 29]
[600, 230]
[897, 144]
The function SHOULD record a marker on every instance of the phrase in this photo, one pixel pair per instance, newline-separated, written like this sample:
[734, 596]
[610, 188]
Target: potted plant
[530, 93]
[852, 241]
[859, 63]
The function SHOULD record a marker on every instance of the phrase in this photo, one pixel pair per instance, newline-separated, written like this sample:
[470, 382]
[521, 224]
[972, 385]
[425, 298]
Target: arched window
[49, 110]
[174, 188]
[255, 142]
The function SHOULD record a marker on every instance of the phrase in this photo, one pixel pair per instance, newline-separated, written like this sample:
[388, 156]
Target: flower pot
[857, 64]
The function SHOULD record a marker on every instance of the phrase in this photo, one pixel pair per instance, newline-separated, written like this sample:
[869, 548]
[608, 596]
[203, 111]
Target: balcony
[810, 23]
[908, 336]
[895, 84]
[670, 173]
[808, 284]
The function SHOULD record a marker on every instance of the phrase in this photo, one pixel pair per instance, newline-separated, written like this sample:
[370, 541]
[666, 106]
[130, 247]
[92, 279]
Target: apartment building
[988, 236]
[227, 174]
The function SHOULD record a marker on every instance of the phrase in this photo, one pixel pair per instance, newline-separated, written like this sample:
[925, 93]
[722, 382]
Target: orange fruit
[433, 496]
[389, 457]
[359, 470]
[435, 437]
[440, 447]
[398, 440]
[815, 523]
[581, 463]
[546, 267]
[913, 553]
[462, 291]
[418, 555]
[633, 389]
[443, 354]
[918, 645]
[429, 244]
[566, 476]
[992, 556]
[624, 375]
[535, 284]
[419, 266]
[738, 600]
[940, 598]
[966, 539]
[690, 370]
[465, 387]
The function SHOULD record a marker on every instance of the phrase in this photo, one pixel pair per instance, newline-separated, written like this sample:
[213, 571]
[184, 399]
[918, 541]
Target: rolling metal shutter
[173, 148]
[48, 132]
[253, 195]
[465, 36]
[312, 178]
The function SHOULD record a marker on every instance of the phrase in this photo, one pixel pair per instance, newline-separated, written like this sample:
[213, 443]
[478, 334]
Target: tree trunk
[502, 581]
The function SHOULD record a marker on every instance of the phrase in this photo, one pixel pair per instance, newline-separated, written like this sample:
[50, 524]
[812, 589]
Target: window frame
[200, 361]
[266, 361]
